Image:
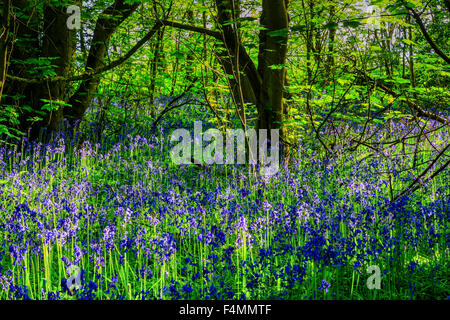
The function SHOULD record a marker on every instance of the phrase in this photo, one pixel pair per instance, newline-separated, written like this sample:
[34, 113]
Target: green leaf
[298, 28]
[352, 23]
[47, 107]
[278, 33]
[331, 25]
[401, 80]
[276, 66]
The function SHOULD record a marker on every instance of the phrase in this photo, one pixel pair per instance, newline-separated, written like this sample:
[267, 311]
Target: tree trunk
[58, 49]
[271, 61]
[154, 69]
[233, 53]
[4, 42]
[108, 22]
[330, 65]
[58, 45]
[26, 45]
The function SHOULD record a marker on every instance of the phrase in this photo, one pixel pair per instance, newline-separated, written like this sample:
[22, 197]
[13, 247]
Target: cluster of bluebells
[141, 228]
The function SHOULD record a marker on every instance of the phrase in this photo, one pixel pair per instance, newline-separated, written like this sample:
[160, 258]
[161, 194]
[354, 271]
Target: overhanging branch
[212, 33]
[245, 61]
[433, 45]
[420, 111]
[88, 75]
[112, 65]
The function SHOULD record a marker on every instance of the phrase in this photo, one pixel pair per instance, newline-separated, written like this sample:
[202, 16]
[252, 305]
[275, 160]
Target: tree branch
[414, 183]
[212, 33]
[136, 47]
[427, 36]
[106, 25]
[88, 75]
[244, 59]
[420, 111]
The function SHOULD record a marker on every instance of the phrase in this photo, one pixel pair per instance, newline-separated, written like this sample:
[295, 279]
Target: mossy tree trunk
[271, 64]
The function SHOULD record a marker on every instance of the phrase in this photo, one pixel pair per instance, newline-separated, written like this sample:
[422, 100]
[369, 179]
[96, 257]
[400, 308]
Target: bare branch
[427, 36]
[212, 33]
[414, 185]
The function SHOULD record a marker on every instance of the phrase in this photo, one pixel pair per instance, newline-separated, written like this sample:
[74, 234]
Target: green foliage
[9, 120]
[51, 105]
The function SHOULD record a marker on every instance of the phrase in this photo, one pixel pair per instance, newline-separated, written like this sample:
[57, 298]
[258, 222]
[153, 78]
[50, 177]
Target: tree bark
[107, 23]
[330, 64]
[271, 63]
[234, 53]
[4, 42]
[58, 45]
[24, 44]
[154, 68]
[430, 41]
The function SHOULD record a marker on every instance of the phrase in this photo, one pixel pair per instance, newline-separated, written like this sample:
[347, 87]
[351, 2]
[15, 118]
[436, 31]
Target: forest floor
[110, 217]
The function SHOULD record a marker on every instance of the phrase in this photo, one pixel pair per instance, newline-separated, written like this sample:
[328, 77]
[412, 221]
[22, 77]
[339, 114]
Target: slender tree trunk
[4, 42]
[330, 64]
[190, 76]
[404, 54]
[106, 25]
[309, 40]
[154, 68]
[411, 59]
